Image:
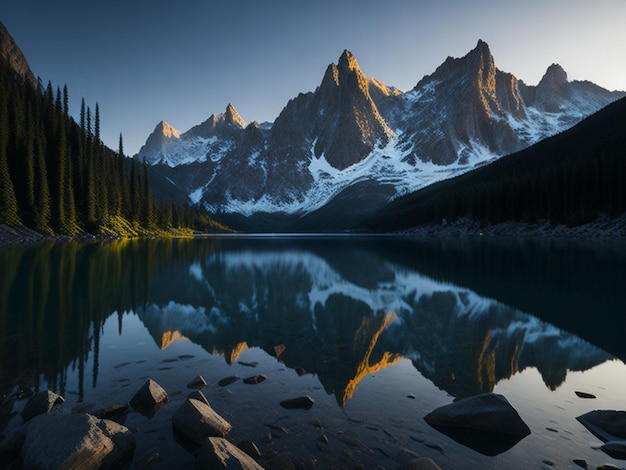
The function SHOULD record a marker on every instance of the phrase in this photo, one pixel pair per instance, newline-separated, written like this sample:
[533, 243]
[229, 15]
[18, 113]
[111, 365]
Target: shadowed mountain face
[354, 130]
[13, 56]
[344, 309]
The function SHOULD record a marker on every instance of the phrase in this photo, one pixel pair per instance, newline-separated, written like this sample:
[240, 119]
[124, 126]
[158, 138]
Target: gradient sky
[180, 61]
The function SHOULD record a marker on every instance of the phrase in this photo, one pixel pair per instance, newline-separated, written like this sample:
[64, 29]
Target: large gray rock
[486, 423]
[43, 402]
[197, 421]
[68, 441]
[218, 453]
[606, 425]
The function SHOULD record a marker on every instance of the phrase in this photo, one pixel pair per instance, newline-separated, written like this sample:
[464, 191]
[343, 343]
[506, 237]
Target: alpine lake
[378, 331]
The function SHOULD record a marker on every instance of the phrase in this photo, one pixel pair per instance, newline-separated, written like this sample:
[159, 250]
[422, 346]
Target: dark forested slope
[571, 179]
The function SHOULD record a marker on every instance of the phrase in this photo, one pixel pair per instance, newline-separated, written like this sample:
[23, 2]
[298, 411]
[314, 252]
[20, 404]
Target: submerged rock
[75, 441]
[255, 379]
[228, 380]
[486, 423]
[616, 449]
[197, 383]
[606, 425]
[197, 421]
[151, 394]
[420, 463]
[218, 453]
[305, 402]
[41, 403]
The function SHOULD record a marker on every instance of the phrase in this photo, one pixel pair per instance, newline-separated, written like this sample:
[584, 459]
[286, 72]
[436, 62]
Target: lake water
[378, 331]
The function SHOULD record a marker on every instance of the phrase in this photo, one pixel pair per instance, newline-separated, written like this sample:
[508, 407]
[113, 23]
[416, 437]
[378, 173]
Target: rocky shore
[93, 436]
[51, 436]
[603, 228]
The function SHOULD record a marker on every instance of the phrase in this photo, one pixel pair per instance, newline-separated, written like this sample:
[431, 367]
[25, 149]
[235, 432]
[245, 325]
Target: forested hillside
[56, 175]
[569, 179]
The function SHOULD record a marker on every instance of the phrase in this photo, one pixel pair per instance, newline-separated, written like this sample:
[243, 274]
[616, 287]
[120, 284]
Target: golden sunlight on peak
[365, 368]
[231, 355]
[168, 131]
[169, 337]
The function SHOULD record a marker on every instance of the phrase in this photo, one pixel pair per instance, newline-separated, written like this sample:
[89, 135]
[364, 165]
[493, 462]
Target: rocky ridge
[355, 143]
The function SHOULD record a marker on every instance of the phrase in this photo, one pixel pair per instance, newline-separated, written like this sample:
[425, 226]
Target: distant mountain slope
[347, 148]
[13, 56]
[570, 179]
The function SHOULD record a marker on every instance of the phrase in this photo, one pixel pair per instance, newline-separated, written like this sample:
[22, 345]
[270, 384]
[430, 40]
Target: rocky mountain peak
[555, 76]
[347, 61]
[232, 117]
[167, 131]
[12, 54]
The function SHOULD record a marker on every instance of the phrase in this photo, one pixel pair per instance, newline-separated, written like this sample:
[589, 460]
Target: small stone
[149, 395]
[305, 402]
[197, 383]
[300, 371]
[228, 380]
[581, 463]
[411, 396]
[585, 395]
[248, 364]
[41, 403]
[255, 379]
[552, 430]
[198, 395]
[323, 438]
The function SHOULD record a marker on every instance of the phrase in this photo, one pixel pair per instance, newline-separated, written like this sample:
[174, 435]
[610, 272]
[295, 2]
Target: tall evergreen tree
[66, 101]
[8, 202]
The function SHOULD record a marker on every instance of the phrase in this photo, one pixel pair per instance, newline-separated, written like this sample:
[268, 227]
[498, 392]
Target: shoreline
[603, 228]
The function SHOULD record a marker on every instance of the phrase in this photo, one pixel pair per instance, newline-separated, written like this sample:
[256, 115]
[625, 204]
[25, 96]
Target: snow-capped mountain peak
[355, 143]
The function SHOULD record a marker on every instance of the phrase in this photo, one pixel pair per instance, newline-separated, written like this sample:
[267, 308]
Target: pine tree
[42, 201]
[66, 101]
[148, 200]
[8, 202]
[82, 115]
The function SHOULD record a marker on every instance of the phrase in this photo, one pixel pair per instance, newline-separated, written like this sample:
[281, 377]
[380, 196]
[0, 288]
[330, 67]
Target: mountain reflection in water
[344, 308]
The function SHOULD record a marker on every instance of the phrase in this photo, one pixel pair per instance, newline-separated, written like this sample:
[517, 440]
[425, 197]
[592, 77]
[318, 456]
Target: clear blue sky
[180, 61]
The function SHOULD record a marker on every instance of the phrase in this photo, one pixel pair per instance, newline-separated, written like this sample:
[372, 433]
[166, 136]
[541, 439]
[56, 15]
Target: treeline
[56, 175]
[570, 179]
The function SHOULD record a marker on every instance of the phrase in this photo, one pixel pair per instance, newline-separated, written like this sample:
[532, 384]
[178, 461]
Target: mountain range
[336, 155]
